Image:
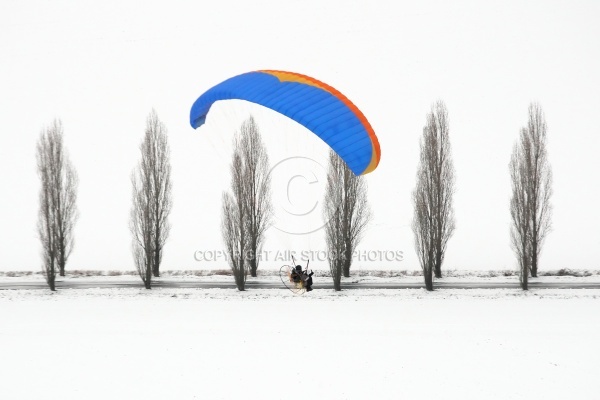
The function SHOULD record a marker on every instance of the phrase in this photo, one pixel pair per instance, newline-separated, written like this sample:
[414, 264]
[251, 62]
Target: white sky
[102, 66]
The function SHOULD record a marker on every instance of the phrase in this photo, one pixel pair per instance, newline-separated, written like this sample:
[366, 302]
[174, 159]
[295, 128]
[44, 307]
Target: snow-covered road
[262, 284]
[321, 282]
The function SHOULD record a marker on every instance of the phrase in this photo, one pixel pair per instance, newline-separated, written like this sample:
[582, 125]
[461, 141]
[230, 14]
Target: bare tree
[161, 184]
[333, 217]
[151, 200]
[423, 227]
[540, 181]
[530, 206]
[234, 222]
[141, 224]
[347, 214]
[58, 195]
[520, 207]
[433, 222]
[46, 218]
[257, 182]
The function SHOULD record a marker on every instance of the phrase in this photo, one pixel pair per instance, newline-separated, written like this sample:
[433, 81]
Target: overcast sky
[102, 66]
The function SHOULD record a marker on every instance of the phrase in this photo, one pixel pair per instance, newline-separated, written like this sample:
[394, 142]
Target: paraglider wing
[317, 106]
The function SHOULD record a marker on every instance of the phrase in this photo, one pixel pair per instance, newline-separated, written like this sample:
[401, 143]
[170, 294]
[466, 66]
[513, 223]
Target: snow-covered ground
[359, 276]
[271, 344]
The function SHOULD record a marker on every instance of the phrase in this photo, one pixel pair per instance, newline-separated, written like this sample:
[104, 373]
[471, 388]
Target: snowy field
[271, 344]
[272, 275]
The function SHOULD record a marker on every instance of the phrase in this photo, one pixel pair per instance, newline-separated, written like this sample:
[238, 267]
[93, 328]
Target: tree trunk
[534, 268]
[336, 274]
[347, 260]
[61, 252]
[438, 266]
[337, 284]
[524, 273]
[254, 259]
[148, 280]
[61, 265]
[52, 283]
[428, 280]
[534, 263]
[346, 268]
[239, 281]
[156, 265]
[52, 277]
